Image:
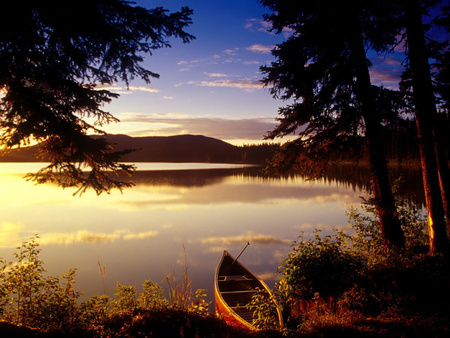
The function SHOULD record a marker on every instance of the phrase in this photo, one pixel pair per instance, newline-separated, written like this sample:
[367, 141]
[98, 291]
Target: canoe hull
[234, 287]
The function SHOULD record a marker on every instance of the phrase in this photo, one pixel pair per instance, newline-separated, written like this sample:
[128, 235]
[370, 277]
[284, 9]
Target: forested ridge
[179, 148]
[401, 148]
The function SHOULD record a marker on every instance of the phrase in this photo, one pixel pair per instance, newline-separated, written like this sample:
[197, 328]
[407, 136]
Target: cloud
[248, 237]
[10, 234]
[216, 74]
[141, 235]
[230, 51]
[272, 276]
[144, 89]
[258, 25]
[387, 71]
[248, 85]
[176, 124]
[122, 90]
[86, 236]
[260, 48]
[389, 78]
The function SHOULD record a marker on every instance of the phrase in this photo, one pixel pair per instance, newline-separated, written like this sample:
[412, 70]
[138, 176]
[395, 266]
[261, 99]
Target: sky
[211, 86]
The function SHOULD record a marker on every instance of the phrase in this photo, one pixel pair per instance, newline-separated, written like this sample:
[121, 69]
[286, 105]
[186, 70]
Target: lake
[197, 210]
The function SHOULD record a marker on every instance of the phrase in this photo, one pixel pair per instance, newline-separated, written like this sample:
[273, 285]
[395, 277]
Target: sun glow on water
[140, 233]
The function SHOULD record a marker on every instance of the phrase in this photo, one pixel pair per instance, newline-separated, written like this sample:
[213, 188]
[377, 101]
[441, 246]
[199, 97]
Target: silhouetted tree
[53, 56]
[323, 67]
[434, 165]
[442, 87]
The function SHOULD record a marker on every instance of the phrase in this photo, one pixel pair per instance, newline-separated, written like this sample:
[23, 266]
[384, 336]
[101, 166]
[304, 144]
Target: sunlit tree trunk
[384, 199]
[425, 110]
[444, 175]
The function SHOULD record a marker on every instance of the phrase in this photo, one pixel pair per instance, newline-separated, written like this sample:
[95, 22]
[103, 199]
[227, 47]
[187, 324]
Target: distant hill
[180, 148]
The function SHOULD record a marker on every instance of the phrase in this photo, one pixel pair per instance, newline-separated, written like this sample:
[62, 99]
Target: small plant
[152, 297]
[127, 301]
[265, 312]
[181, 294]
[32, 299]
[95, 312]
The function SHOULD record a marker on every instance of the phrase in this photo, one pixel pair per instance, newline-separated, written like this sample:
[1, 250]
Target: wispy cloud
[247, 85]
[389, 78]
[257, 25]
[232, 51]
[175, 124]
[140, 235]
[86, 236]
[248, 237]
[124, 90]
[260, 48]
[10, 234]
[144, 89]
[216, 74]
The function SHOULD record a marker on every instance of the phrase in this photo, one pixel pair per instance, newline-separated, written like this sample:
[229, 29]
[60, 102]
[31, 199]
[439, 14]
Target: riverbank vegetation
[343, 283]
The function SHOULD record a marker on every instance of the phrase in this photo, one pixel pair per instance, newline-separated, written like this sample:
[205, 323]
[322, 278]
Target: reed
[181, 295]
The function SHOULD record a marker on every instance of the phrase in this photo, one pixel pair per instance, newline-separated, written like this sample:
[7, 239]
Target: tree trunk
[425, 110]
[443, 169]
[444, 180]
[383, 199]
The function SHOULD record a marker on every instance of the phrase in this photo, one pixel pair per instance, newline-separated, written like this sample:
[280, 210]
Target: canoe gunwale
[226, 310]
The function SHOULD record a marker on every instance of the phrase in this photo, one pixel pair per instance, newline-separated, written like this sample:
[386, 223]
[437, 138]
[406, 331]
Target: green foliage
[265, 312]
[367, 239]
[32, 299]
[320, 266]
[152, 296]
[96, 311]
[29, 298]
[181, 294]
[127, 301]
[330, 279]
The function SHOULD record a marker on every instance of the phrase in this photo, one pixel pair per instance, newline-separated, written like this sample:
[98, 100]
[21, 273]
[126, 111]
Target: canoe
[234, 286]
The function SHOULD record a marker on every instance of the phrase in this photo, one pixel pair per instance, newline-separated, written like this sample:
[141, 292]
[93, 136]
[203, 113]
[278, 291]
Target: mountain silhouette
[179, 148]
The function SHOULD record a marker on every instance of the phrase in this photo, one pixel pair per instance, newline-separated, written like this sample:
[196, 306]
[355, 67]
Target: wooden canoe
[234, 286]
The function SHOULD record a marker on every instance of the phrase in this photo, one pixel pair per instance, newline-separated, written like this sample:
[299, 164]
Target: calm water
[141, 233]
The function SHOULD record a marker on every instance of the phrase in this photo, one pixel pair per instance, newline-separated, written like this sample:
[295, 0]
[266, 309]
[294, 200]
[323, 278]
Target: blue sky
[211, 85]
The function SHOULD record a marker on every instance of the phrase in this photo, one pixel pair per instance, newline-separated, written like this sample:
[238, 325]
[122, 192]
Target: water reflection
[140, 234]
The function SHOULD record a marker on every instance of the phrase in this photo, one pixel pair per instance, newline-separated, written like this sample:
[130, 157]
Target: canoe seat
[234, 278]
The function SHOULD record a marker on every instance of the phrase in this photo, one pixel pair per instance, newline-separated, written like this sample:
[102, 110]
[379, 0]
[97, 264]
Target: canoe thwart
[234, 278]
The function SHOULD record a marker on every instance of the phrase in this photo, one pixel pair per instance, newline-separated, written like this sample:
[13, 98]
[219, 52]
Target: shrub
[265, 316]
[319, 267]
[31, 299]
[368, 241]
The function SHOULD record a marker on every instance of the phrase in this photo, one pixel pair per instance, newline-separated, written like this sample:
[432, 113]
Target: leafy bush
[320, 266]
[152, 297]
[328, 278]
[265, 312]
[367, 239]
[32, 299]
